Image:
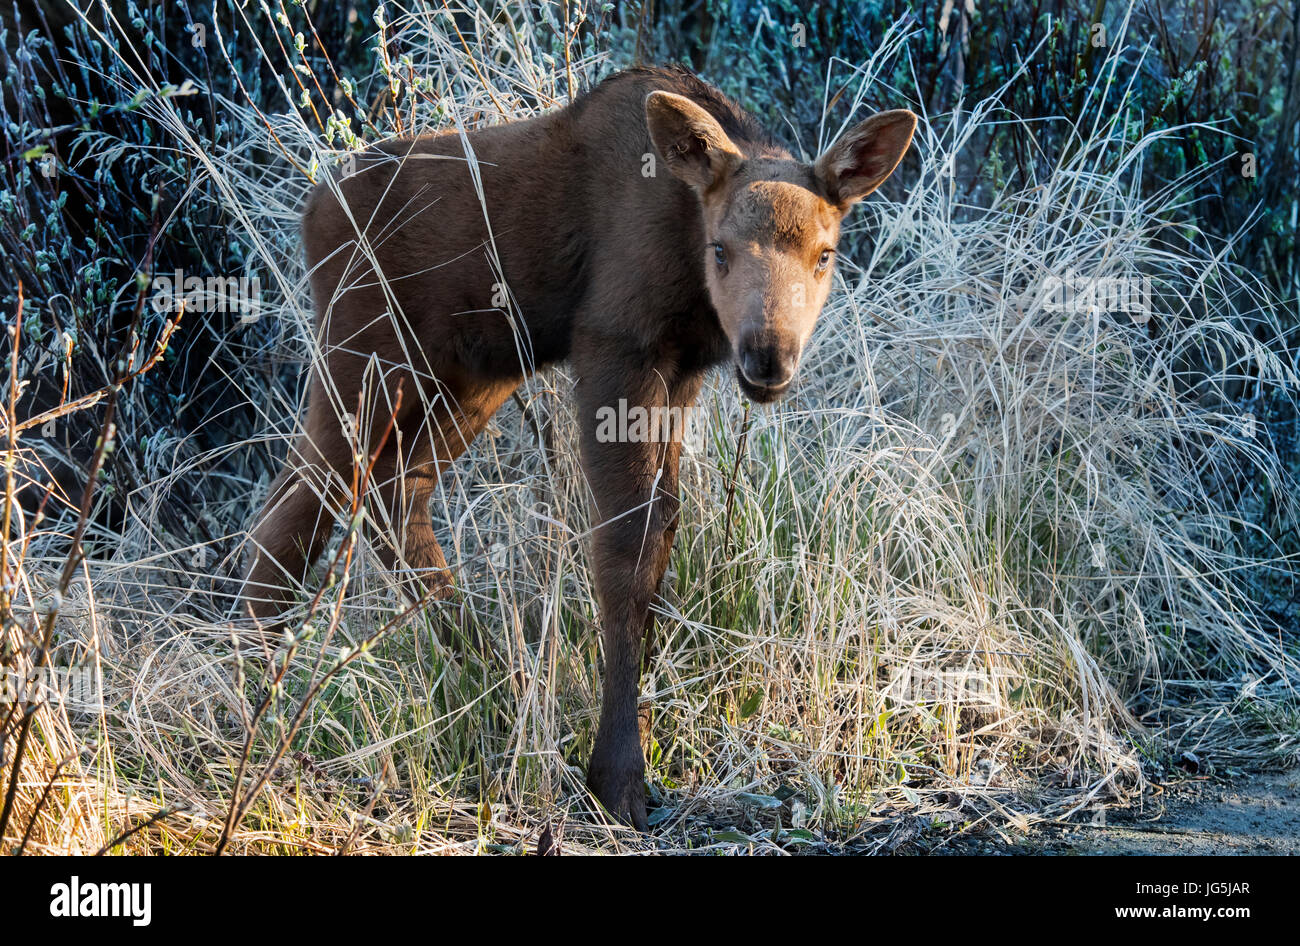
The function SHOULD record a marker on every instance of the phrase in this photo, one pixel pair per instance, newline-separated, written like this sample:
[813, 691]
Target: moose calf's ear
[689, 139]
[865, 155]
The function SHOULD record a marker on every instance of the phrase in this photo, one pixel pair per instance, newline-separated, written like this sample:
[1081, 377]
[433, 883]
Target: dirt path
[1251, 814]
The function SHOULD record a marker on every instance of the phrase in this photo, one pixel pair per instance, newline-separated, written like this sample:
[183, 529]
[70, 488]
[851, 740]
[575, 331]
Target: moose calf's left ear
[865, 155]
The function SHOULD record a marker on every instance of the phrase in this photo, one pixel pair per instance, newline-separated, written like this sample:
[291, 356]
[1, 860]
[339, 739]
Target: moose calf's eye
[825, 260]
[719, 254]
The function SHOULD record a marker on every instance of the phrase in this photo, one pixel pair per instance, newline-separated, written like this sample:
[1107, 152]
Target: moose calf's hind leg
[292, 529]
[412, 550]
[406, 489]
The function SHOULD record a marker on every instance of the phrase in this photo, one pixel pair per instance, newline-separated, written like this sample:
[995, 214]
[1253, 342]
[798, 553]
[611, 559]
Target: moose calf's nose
[767, 365]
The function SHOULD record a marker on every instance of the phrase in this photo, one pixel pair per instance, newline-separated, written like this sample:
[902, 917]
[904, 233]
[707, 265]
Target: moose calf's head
[771, 225]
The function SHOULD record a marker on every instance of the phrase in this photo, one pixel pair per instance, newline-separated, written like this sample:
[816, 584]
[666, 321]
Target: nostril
[783, 372]
[757, 365]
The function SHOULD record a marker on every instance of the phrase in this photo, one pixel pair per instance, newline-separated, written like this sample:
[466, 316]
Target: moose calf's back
[438, 244]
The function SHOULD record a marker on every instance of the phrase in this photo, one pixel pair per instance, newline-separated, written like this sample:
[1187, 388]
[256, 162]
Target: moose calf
[457, 266]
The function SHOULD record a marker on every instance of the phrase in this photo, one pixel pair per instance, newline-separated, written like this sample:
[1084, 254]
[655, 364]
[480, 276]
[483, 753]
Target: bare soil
[1254, 813]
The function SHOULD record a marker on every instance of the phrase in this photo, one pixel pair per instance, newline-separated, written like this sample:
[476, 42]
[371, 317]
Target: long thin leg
[407, 478]
[634, 488]
[312, 488]
[295, 523]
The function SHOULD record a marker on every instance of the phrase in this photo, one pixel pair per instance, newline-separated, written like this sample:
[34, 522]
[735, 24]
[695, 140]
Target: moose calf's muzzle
[765, 366]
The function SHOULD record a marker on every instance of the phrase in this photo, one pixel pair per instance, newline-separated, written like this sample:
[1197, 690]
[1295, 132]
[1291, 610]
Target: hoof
[621, 790]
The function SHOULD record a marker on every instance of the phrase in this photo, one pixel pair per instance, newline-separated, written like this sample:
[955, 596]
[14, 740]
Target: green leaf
[731, 835]
[799, 836]
[758, 801]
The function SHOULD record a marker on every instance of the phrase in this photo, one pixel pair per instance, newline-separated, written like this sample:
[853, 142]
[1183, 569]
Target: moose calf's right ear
[865, 155]
[689, 139]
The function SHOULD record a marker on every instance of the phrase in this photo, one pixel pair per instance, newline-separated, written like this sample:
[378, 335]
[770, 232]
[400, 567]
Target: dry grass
[991, 563]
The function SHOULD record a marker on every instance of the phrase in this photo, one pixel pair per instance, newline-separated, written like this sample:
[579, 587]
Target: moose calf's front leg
[634, 484]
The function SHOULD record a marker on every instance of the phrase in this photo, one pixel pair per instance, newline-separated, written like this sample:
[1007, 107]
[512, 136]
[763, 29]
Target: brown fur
[608, 268]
